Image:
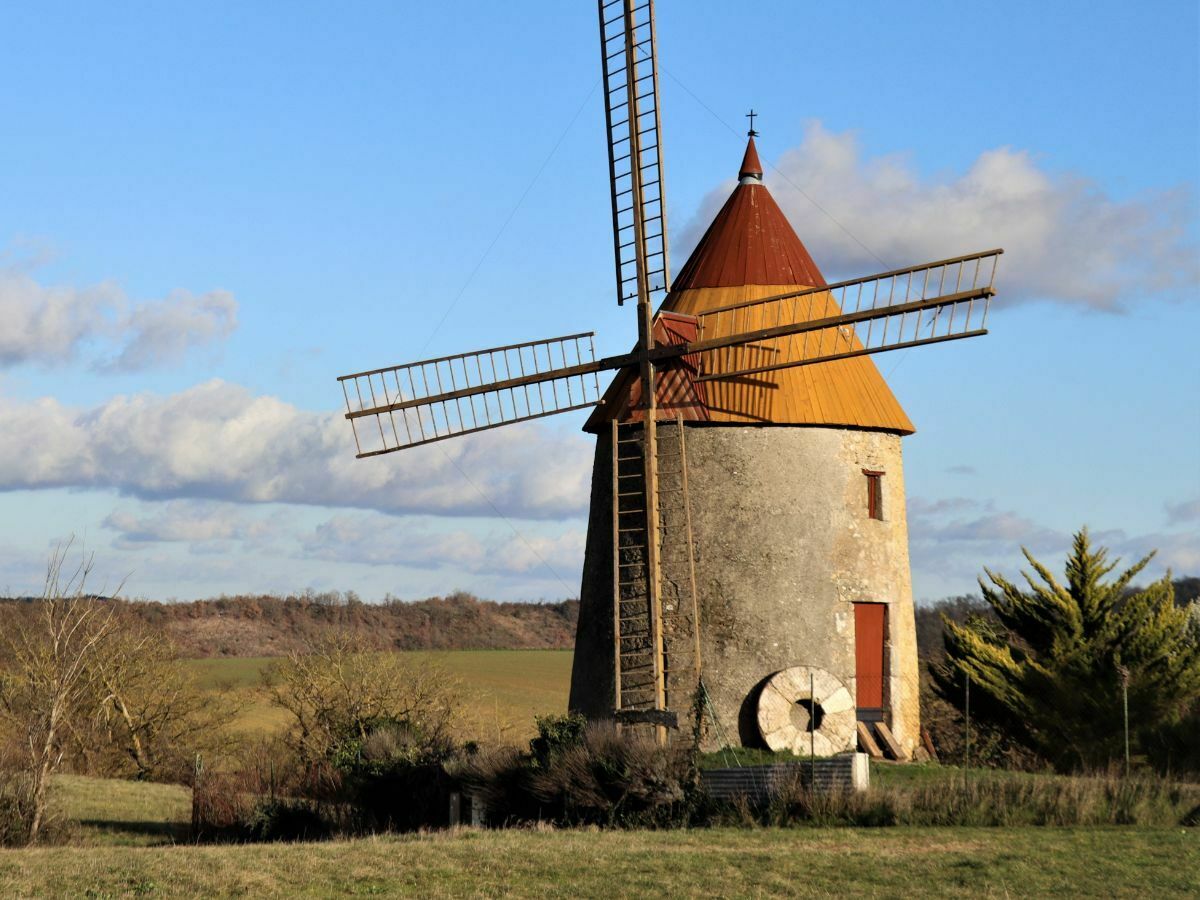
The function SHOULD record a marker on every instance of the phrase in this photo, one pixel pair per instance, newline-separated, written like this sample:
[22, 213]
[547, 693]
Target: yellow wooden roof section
[845, 392]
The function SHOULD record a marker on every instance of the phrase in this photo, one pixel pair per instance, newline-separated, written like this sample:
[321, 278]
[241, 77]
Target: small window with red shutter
[874, 494]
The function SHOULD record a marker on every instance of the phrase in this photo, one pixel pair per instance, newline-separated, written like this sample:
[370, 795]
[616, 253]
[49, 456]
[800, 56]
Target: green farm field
[503, 690]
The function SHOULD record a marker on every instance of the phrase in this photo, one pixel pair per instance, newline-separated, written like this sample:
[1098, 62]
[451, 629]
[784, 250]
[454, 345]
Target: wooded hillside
[274, 626]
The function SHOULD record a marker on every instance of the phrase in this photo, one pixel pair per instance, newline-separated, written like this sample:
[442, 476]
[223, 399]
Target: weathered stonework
[783, 547]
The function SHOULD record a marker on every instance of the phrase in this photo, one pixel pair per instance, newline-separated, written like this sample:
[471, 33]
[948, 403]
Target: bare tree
[340, 691]
[150, 713]
[49, 673]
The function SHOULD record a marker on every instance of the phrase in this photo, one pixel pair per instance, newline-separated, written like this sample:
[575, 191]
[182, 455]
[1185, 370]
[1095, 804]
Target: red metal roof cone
[750, 163]
[749, 242]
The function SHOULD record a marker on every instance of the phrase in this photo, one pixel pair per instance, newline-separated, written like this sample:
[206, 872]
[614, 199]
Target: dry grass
[506, 689]
[110, 812]
[718, 863]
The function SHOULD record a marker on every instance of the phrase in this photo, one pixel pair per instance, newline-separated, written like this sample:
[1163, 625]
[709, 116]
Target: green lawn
[504, 689]
[717, 863]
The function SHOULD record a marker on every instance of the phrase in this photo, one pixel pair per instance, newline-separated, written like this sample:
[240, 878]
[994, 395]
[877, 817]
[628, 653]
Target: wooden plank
[889, 741]
[867, 742]
[687, 514]
[927, 743]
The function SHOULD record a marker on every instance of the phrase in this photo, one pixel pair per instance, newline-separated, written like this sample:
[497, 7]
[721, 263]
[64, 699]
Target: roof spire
[751, 171]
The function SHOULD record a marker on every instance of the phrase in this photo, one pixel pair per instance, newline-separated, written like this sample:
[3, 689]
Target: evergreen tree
[1050, 671]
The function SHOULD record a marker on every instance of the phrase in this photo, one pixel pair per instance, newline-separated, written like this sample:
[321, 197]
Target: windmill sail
[925, 304]
[631, 110]
[433, 399]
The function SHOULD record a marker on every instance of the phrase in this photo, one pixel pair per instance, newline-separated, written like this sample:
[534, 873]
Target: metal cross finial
[750, 115]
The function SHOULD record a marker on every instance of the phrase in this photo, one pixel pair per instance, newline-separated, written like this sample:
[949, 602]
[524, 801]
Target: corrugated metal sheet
[751, 251]
[844, 772]
[749, 242]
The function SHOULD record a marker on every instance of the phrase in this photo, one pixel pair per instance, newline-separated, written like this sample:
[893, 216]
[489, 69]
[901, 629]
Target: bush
[555, 735]
[395, 777]
[276, 819]
[583, 774]
[15, 812]
[1172, 748]
[611, 778]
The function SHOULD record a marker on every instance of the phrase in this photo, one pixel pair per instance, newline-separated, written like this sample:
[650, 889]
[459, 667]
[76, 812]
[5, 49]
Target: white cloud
[378, 540]
[187, 521]
[1065, 239]
[162, 332]
[50, 325]
[217, 441]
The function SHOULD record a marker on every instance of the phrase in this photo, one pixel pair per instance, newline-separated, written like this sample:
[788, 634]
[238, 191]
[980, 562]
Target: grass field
[503, 689]
[109, 812]
[125, 846]
[130, 838]
[701, 863]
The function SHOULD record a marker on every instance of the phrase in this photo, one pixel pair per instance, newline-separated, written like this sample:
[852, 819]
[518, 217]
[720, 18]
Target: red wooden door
[869, 623]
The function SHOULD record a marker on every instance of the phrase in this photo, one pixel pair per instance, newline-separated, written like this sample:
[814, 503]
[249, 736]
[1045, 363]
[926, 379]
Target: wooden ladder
[657, 646]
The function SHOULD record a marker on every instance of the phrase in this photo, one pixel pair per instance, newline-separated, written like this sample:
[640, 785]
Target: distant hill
[273, 626]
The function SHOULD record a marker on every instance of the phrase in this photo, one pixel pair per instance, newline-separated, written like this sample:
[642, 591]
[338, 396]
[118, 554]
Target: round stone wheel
[787, 705]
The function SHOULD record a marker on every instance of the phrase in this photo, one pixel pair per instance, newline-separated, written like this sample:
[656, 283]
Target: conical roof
[750, 251]
[749, 242]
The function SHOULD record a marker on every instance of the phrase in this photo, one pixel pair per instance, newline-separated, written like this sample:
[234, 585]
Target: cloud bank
[1065, 239]
[378, 541]
[52, 325]
[358, 537]
[217, 441]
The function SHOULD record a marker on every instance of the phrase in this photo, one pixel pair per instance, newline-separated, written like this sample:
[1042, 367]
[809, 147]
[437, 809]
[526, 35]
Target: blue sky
[209, 211]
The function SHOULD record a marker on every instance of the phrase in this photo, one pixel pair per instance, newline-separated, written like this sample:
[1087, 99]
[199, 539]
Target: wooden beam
[882, 312]
[927, 743]
[867, 742]
[889, 742]
[849, 354]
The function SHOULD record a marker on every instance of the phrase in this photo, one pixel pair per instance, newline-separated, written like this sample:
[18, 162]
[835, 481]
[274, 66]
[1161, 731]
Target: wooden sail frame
[578, 388]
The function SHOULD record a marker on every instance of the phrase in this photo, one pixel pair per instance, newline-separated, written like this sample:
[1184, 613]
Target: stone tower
[797, 515]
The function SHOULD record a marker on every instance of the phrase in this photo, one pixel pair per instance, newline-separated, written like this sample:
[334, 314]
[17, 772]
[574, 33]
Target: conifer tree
[1049, 668]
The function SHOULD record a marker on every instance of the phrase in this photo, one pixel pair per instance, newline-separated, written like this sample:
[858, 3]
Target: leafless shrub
[51, 672]
[338, 692]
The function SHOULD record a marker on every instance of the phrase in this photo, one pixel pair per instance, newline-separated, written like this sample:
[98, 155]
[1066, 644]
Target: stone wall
[784, 547]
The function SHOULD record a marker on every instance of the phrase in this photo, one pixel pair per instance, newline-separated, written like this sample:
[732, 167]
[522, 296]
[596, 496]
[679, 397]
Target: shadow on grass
[169, 832]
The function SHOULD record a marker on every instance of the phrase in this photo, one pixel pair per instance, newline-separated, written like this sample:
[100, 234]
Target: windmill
[679, 361]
